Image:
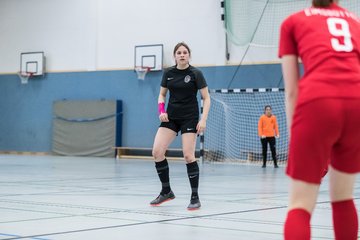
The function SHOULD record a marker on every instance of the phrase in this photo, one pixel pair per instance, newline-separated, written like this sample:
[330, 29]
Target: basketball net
[141, 72]
[24, 77]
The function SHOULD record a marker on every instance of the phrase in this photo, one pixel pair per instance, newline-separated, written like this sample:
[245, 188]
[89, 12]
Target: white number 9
[343, 31]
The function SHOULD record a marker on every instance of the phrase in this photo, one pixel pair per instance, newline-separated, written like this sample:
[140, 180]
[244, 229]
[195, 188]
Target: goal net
[232, 125]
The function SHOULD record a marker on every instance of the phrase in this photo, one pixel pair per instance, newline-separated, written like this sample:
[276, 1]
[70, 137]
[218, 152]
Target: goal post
[232, 125]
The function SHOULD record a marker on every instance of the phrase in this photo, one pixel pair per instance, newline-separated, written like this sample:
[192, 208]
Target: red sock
[297, 225]
[345, 220]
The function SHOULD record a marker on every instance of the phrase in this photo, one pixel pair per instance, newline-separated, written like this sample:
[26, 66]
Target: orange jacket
[268, 126]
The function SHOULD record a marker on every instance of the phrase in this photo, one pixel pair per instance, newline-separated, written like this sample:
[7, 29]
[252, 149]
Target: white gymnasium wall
[81, 35]
[63, 29]
[123, 24]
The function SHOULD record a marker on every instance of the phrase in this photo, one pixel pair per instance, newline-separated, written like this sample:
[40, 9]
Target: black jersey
[183, 86]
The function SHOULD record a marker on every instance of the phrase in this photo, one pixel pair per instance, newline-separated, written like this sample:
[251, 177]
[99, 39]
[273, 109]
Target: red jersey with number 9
[328, 42]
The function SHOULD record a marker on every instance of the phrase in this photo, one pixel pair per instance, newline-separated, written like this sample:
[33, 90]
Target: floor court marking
[159, 221]
[18, 236]
[149, 222]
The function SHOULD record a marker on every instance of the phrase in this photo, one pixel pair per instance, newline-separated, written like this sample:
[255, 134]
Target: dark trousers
[264, 143]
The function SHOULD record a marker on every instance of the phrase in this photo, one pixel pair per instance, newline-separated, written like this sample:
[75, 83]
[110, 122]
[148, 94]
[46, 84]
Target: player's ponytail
[322, 3]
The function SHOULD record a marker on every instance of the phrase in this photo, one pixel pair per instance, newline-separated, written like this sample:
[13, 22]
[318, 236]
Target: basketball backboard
[32, 62]
[149, 56]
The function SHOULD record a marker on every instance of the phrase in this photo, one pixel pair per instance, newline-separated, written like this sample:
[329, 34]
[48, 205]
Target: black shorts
[183, 125]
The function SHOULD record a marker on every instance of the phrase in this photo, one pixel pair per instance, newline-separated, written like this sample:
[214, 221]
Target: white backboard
[150, 56]
[32, 62]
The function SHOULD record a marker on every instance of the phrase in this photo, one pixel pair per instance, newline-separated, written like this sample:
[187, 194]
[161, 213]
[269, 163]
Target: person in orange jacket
[268, 130]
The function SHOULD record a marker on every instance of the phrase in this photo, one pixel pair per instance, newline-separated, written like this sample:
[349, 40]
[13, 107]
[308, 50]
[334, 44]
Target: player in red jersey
[323, 113]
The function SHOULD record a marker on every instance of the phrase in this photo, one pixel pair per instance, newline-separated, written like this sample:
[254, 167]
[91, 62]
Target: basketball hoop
[141, 72]
[24, 76]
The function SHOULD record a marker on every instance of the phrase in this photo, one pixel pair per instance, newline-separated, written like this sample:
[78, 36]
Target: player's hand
[263, 136]
[201, 126]
[164, 117]
[277, 136]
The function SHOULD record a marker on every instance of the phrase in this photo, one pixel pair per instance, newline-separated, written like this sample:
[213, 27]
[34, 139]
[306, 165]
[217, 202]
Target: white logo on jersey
[187, 79]
[169, 79]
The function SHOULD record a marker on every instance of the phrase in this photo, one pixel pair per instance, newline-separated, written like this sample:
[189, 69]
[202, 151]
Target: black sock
[275, 162]
[193, 174]
[162, 169]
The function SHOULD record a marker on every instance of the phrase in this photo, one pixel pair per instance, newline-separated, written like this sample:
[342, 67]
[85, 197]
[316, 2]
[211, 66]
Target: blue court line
[18, 236]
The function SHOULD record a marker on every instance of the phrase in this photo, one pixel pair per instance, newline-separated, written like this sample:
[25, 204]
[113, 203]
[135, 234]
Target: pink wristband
[161, 108]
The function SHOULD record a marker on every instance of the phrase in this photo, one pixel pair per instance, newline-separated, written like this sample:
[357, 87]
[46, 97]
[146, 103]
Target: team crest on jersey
[187, 79]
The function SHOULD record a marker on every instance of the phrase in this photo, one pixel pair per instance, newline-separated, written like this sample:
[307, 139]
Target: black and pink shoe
[194, 204]
[163, 198]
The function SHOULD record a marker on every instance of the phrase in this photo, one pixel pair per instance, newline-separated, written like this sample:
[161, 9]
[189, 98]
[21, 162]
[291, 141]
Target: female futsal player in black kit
[183, 82]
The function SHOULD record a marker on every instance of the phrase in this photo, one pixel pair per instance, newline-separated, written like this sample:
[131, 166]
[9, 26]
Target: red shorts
[323, 130]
